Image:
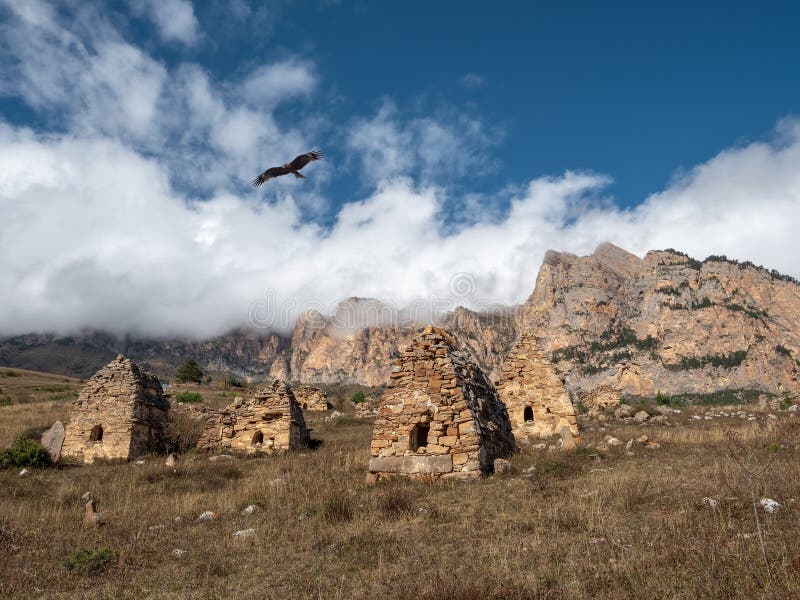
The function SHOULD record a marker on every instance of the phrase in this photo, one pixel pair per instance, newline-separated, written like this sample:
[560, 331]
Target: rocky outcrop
[120, 413]
[440, 416]
[627, 326]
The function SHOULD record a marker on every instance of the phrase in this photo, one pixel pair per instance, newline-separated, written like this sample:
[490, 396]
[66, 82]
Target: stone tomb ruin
[537, 401]
[311, 398]
[269, 422]
[440, 417]
[120, 414]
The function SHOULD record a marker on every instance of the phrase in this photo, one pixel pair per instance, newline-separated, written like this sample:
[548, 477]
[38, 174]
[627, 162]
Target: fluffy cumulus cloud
[102, 230]
[174, 19]
[272, 83]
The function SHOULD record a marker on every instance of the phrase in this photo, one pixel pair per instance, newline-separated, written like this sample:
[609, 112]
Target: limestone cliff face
[325, 350]
[349, 347]
[666, 323]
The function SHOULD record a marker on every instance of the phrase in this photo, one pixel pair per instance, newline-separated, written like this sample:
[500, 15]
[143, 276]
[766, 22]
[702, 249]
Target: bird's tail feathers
[298, 174]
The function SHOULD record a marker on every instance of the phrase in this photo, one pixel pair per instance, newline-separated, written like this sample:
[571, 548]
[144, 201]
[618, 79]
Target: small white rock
[244, 533]
[793, 408]
[177, 553]
[710, 502]
[771, 505]
[23, 472]
[208, 515]
[139, 462]
[249, 510]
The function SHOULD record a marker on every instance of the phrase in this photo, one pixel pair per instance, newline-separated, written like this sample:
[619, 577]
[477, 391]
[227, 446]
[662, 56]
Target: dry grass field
[614, 524]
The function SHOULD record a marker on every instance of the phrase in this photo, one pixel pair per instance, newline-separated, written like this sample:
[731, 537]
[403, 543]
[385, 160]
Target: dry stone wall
[120, 413]
[311, 398]
[269, 422]
[440, 417]
[534, 394]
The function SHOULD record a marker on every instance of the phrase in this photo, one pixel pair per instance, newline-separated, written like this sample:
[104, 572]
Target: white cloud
[174, 19]
[426, 148]
[133, 254]
[270, 84]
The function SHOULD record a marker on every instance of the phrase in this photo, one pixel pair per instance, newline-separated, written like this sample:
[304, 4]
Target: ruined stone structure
[311, 398]
[269, 422]
[440, 417]
[120, 413]
[537, 401]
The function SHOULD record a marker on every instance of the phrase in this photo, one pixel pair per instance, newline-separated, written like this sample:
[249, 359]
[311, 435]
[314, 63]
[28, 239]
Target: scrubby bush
[232, 381]
[89, 562]
[182, 433]
[358, 397]
[24, 452]
[188, 397]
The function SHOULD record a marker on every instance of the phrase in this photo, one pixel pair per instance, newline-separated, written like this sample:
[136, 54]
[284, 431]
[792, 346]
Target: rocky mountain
[357, 344]
[613, 323]
[616, 324]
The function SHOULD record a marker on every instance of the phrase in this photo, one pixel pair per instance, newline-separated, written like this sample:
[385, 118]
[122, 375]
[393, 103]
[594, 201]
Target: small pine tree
[358, 397]
[189, 371]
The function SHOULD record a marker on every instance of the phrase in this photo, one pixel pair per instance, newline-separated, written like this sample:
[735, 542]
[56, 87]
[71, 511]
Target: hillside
[616, 324]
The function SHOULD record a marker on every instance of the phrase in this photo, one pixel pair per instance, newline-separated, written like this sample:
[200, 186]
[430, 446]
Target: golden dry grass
[622, 527]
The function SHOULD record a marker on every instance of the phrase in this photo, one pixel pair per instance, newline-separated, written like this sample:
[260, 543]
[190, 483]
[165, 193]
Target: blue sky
[460, 138]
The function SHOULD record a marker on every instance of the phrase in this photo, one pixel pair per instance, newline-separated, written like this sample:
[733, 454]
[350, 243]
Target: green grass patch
[188, 397]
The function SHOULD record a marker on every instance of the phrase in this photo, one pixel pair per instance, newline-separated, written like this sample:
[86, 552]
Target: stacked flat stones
[269, 422]
[310, 398]
[529, 380]
[437, 387]
[123, 406]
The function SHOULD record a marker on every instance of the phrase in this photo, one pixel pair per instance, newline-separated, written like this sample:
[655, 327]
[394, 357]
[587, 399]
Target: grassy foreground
[576, 525]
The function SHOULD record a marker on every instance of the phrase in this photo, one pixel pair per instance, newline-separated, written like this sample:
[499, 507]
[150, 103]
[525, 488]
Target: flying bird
[292, 167]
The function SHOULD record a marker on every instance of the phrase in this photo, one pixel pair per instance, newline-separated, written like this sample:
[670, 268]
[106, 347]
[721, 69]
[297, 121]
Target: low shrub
[24, 452]
[182, 432]
[89, 562]
[232, 381]
[6, 401]
[189, 397]
[358, 397]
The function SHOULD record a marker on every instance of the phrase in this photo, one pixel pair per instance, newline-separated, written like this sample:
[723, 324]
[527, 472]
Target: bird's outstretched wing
[301, 161]
[269, 174]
